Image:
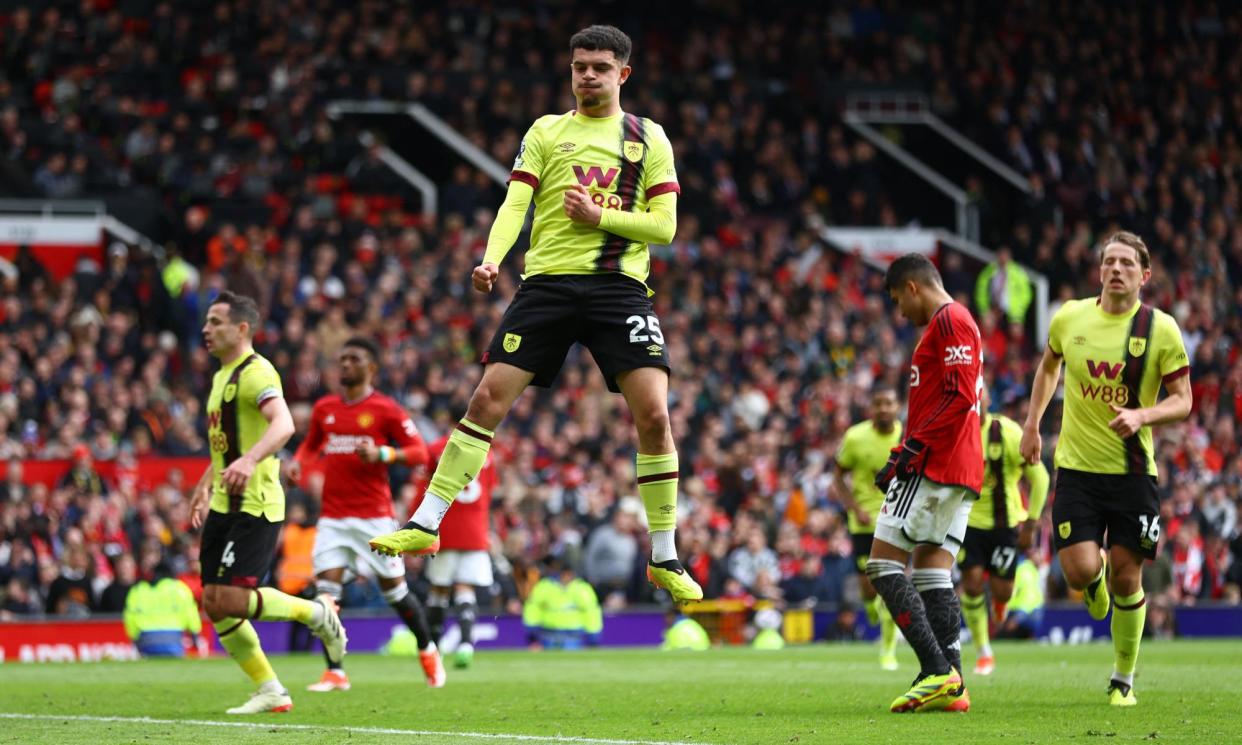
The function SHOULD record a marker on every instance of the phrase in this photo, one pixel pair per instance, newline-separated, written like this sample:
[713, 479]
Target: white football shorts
[341, 542]
[460, 568]
[921, 512]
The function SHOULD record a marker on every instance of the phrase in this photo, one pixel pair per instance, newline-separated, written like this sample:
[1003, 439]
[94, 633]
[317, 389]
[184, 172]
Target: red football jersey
[351, 486]
[945, 387]
[465, 526]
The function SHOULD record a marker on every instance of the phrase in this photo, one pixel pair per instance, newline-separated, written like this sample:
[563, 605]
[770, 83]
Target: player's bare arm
[200, 498]
[279, 430]
[293, 470]
[1174, 408]
[846, 497]
[1046, 378]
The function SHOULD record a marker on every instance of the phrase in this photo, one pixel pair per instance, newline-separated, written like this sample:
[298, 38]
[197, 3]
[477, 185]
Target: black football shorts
[609, 314]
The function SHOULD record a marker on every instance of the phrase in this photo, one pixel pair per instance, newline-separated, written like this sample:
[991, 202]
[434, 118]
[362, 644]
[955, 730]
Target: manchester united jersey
[465, 526]
[351, 486]
[945, 384]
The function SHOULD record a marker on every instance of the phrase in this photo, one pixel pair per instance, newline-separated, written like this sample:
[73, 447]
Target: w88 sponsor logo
[1108, 394]
[1105, 392]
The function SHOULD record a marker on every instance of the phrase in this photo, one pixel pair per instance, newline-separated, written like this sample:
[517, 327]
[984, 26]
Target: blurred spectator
[72, 593]
[1188, 561]
[1220, 513]
[748, 561]
[12, 489]
[159, 611]
[18, 602]
[294, 570]
[1026, 607]
[112, 599]
[82, 477]
[845, 626]
[562, 611]
[612, 552]
[1161, 622]
[1005, 287]
[809, 586]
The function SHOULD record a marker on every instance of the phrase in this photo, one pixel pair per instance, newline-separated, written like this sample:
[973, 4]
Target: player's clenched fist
[579, 207]
[238, 474]
[1127, 423]
[1030, 446]
[484, 276]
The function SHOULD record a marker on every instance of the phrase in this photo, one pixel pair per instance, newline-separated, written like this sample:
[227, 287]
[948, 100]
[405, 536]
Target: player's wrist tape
[387, 454]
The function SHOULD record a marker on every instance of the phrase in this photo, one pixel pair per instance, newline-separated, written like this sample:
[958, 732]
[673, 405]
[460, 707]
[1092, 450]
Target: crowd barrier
[104, 638]
[149, 472]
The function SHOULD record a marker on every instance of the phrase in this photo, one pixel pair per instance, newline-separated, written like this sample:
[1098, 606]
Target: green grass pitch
[1189, 692]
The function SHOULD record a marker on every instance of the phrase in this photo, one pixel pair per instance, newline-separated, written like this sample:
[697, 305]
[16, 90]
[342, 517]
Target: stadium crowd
[776, 340]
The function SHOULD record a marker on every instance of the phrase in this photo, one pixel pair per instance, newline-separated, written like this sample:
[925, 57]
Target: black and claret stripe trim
[231, 629]
[652, 478]
[229, 424]
[1000, 500]
[1140, 327]
[1142, 601]
[526, 178]
[632, 127]
[473, 433]
[668, 187]
[258, 605]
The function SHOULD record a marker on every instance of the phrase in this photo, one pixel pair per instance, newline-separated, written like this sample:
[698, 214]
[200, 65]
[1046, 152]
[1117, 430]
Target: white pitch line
[334, 728]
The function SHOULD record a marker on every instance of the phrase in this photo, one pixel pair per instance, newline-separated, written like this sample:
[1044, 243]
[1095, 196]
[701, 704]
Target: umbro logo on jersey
[566, 147]
[330, 419]
[1080, 340]
[958, 355]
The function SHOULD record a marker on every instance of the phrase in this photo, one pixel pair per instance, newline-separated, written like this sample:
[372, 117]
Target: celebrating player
[930, 483]
[247, 422]
[359, 434]
[1000, 528]
[604, 186]
[1117, 353]
[463, 562]
[862, 455]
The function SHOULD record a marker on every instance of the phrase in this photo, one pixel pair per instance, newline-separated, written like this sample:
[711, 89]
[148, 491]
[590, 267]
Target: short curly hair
[608, 38]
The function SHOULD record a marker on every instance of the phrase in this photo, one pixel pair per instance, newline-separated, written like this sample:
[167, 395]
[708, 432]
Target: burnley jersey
[623, 161]
[945, 385]
[1101, 352]
[235, 422]
[351, 486]
[465, 526]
